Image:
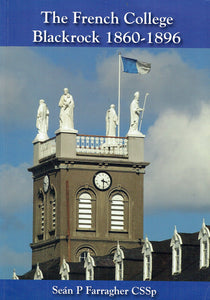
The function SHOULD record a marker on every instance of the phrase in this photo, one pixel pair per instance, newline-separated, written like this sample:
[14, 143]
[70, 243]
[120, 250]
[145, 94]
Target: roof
[133, 264]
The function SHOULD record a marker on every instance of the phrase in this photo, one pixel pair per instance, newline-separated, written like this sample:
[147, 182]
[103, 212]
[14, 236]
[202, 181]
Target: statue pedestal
[136, 148]
[36, 152]
[66, 143]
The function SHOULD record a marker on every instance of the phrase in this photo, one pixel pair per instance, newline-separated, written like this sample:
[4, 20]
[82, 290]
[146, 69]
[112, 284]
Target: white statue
[66, 104]
[15, 277]
[64, 270]
[42, 121]
[118, 261]
[134, 116]
[38, 274]
[118, 254]
[89, 265]
[111, 121]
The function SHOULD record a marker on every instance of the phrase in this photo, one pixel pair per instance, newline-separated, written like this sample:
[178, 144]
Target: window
[52, 213]
[117, 212]
[40, 216]
[204, 236]
[176, 243]
[147, 250]
[83, 256]
[82, 252]
[85, 211]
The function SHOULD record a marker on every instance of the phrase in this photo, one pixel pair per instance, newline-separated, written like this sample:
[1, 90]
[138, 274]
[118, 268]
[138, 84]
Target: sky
[176, 124]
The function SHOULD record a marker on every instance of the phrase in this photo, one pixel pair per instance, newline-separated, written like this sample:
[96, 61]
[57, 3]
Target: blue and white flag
[134, 66]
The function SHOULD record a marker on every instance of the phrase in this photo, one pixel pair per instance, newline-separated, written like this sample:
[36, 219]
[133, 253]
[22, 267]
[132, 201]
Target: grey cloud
[178, 148]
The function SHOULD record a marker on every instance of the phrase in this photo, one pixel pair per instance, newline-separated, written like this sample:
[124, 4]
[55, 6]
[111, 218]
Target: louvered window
[117, 212]
[42, 217]
[85, 211]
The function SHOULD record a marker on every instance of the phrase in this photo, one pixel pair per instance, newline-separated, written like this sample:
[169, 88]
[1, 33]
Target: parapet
[71, 145]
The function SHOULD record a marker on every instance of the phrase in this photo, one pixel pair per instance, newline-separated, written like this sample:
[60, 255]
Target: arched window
[147, 266]
[81, 253]
[86, 210]
[83, 256]
[40, 216]
[176, 243]
[118, 212]
[204, 236]
[52, 212]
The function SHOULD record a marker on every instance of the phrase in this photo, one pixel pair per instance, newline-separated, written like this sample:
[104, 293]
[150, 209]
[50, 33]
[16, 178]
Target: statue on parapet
[66, 105]
[111, 121]
[42, 122]
[64, 270]
[38, 275]
[135, 111]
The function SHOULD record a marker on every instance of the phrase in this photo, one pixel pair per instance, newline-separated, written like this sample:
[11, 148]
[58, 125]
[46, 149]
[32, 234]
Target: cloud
[28, 75]
[172, 83]
[177, 146]
[16, 187]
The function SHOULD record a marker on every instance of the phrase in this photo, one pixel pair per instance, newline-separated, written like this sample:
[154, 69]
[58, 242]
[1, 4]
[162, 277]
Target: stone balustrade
[101, 145]
[73, 145]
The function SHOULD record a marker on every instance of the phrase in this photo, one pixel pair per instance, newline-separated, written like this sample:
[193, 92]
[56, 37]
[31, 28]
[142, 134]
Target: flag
[134, 66]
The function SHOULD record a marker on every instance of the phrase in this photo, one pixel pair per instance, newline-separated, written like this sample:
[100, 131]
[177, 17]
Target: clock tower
[87, 195]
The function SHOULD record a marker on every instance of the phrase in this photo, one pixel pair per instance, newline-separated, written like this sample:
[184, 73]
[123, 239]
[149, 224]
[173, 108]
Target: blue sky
[176, 124]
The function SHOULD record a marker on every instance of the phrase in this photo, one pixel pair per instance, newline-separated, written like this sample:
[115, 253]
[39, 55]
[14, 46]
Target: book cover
[107, 54]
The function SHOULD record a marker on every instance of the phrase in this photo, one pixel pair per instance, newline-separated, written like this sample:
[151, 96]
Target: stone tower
[87, 194]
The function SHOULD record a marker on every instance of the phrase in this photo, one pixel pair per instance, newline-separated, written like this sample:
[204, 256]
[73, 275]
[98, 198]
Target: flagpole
[119, 79]
[142, 114]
